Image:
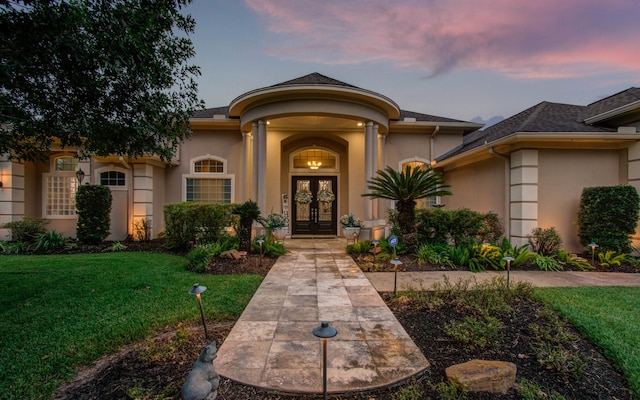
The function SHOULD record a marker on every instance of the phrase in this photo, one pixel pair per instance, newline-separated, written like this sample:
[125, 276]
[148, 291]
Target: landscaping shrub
[190, 223]
[457, 227]
[26, 230]
[436, 254]
[607, 216]
[359, 247]
[270, 248]
[545, 242]
[93, 203]
[49, 241]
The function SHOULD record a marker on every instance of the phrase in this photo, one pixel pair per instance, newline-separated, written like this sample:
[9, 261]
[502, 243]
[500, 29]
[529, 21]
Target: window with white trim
[208, 181]
[427, 202]
[60, 187]
[112, 178]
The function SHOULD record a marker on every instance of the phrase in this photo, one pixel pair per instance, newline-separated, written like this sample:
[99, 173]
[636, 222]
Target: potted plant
[277, 224]
[351, 226]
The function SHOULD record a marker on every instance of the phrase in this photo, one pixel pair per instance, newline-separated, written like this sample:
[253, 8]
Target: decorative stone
[203, 380]
[232, 254]
[484, 376]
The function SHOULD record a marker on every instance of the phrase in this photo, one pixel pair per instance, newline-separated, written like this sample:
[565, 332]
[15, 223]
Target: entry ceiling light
[313, 164]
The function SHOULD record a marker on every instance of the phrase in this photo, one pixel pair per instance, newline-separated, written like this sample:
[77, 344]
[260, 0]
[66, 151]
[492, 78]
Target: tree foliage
[111, 76]
[405, 187]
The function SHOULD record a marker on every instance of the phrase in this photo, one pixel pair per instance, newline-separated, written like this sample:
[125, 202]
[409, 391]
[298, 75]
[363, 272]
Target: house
[307, 147]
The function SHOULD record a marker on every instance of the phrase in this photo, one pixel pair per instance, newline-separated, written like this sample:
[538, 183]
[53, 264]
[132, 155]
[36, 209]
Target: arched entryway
[316, 175]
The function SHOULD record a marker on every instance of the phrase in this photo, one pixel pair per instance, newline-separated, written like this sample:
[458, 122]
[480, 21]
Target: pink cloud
[542, 38]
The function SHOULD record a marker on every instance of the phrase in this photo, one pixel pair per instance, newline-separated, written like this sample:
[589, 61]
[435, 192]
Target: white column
[383, 204]
[375, 156]
[254, 163]
[262, 166]
[11, 195]
[524, 195]
[368, 168]
[142, 193]
[247, 165]
[633, 177]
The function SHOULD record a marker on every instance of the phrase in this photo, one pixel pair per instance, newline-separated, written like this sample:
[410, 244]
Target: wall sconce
[197, 289]
[80, 175]
[324, 331]
[313, 164]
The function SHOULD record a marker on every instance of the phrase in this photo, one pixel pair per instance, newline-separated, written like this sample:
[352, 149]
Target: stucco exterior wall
[563, 174]
[402, 146]
[479, 187]
[222, 144]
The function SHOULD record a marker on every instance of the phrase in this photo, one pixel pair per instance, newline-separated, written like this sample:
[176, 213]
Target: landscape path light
[396, 263]
[508, 259]
[197, 289]
[593, 246]
[260, 241]
[324, 331]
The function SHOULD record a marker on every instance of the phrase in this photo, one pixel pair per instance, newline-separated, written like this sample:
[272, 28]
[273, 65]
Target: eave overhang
[548, 140]
[630, 108]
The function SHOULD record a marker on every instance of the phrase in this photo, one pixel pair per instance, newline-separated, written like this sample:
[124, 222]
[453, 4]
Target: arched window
[313, 159]
[420, 163]
[112, 178]
[208, 181]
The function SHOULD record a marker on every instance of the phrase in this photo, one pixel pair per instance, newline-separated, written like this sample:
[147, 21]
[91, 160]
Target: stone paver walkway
[271, 345]
[384, 281]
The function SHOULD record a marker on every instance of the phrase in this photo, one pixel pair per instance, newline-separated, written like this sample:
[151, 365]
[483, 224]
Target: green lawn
[609, 317]
[61, 312]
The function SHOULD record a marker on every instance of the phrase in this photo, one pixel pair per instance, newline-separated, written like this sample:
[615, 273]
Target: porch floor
[272, 346]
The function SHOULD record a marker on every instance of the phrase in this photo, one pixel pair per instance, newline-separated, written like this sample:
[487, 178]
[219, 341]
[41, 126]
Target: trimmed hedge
[190, 223]
[94, 206]
[457, 227]
[608, 215]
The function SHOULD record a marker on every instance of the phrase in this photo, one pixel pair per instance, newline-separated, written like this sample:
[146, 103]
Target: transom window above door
[313, 159]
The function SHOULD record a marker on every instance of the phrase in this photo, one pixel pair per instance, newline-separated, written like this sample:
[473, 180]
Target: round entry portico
[290, 120]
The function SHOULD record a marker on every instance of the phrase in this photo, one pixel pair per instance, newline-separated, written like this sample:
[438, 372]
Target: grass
[62, 312]
[608, 317]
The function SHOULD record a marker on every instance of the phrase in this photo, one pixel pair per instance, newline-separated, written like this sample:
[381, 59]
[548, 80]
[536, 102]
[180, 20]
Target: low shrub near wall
[457, 227]
[189, 223]
[94, 207]
[608, 215]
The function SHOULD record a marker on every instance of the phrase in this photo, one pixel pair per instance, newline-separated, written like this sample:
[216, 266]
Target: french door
[314, 206]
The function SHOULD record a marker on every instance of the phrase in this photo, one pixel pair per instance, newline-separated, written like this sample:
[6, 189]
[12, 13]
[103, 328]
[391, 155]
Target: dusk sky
[453, 58]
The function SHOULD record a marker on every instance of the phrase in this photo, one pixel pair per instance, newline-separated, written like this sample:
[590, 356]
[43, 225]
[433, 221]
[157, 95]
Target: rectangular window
[61, 196]
[209, 190]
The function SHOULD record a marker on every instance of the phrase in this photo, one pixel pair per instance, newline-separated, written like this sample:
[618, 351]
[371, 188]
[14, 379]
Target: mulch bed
[157, 367]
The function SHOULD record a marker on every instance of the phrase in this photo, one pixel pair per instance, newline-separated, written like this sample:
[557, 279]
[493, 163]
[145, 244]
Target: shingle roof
[612, 102]
[210, 112]
[314, 78]
[425, 117]
[542, 118]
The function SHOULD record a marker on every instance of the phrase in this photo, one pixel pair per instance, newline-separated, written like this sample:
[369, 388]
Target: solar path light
[508, 259]
[593, 246]
[324, 331]
[260, 241]
[197, 289]
[396, 263]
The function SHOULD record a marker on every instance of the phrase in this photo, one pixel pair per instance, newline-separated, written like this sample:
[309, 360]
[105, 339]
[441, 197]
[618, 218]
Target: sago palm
[405, 187]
